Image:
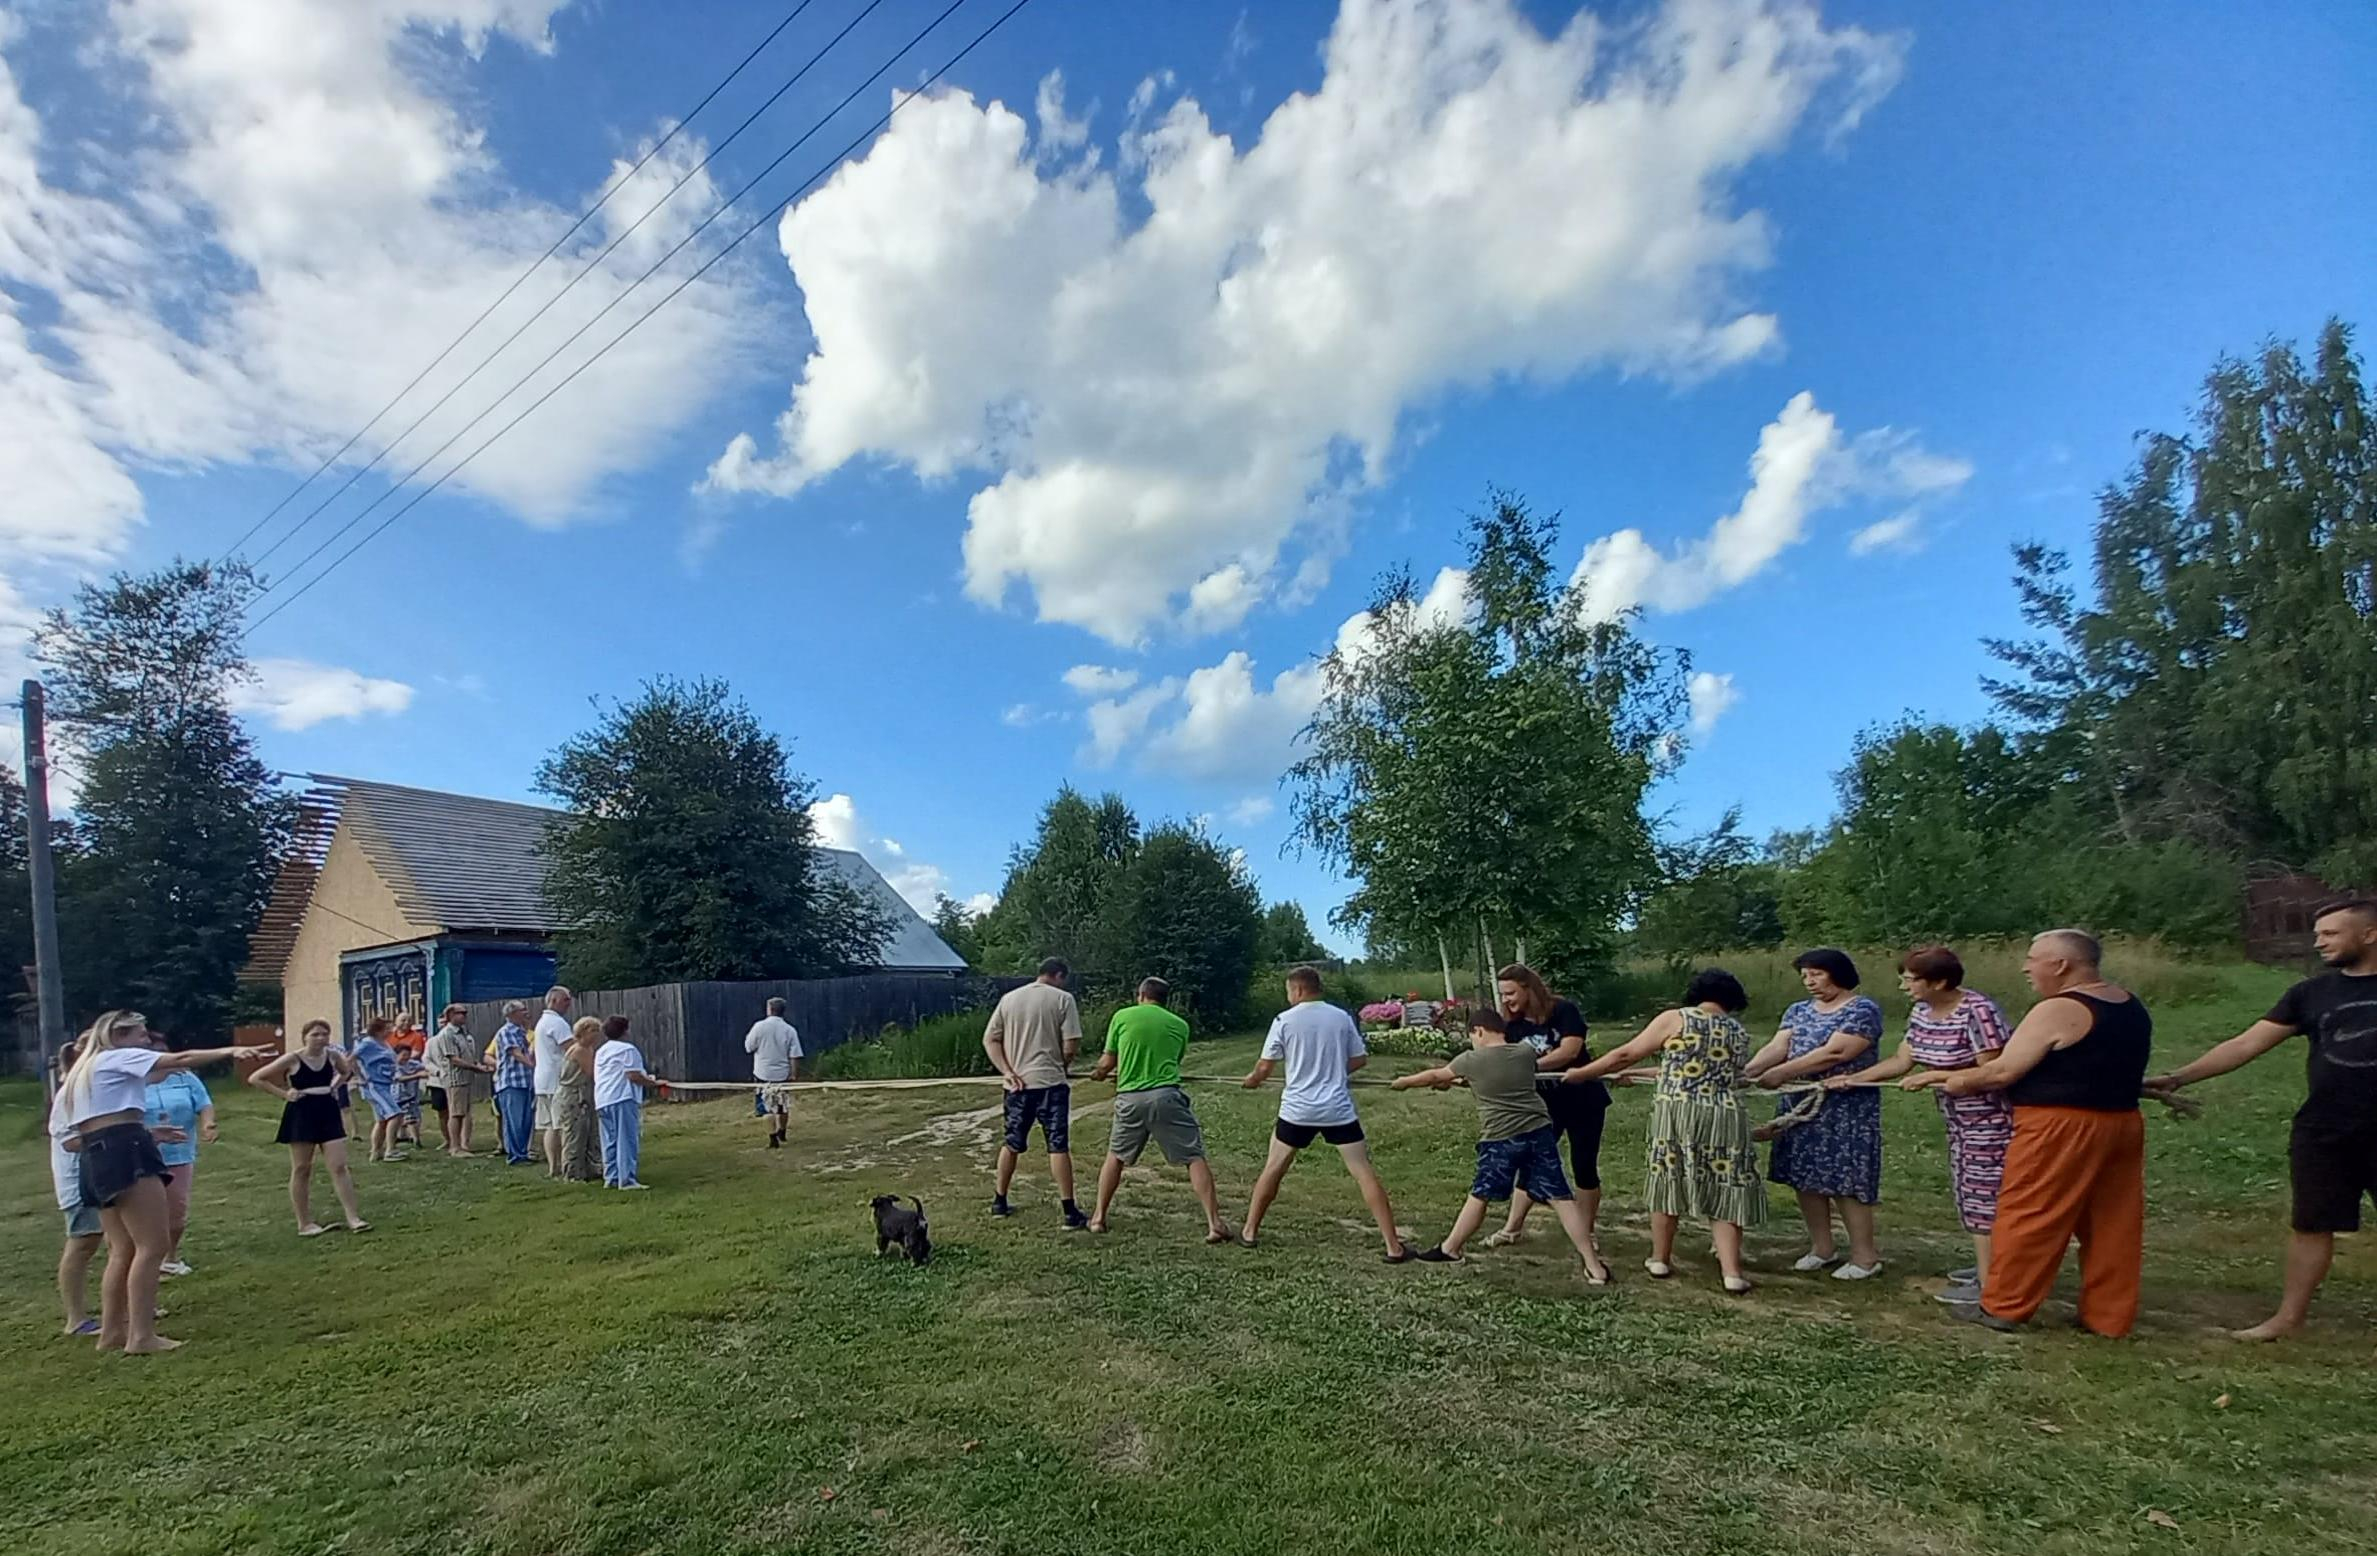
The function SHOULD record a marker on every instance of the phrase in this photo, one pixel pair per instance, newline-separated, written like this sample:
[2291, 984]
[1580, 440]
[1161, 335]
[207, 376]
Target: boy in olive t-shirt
[1516, 1143]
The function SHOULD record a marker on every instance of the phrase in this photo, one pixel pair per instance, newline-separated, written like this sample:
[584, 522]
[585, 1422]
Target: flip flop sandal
[1660, 1269]
[1608, 1275]
[1216, 1239]
[310, 1230]
[359, 1226]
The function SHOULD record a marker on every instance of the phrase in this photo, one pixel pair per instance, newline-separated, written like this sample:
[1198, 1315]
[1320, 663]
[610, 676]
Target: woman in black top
[307, 1080]
[1556, 1030]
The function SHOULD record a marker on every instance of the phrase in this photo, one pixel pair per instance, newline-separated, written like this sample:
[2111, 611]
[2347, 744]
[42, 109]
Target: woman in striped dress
[1702, 1161]
[1951, 1028]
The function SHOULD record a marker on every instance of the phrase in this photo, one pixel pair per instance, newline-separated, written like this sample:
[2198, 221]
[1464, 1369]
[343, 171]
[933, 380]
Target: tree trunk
[1445, 956]
[1486, 938]
[1519, 952]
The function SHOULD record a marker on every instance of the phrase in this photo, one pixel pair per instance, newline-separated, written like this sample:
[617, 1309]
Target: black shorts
[1051, 1107]
[115, 1158]
[2333, 1169]
[1578, 1112]
[437, 1098]
[1297, 1136]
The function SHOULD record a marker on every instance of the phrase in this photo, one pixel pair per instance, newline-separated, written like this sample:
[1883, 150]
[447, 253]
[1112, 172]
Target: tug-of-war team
[2046, 1140]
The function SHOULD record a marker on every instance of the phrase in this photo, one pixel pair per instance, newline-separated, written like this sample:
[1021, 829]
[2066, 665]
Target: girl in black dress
[308, 1082]
[1555, 1029]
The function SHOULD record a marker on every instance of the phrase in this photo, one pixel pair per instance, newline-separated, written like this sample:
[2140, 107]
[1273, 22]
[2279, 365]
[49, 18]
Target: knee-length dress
[1702, 1162]
[311, 1120]
[1980, 1126]
[581, 1137]
[1839, 1151]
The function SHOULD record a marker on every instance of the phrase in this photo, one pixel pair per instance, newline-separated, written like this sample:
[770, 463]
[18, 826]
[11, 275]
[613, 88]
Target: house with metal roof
[405, 900]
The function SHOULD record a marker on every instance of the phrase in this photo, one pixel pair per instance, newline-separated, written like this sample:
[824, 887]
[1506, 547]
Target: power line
[567, 287]
[706, 266]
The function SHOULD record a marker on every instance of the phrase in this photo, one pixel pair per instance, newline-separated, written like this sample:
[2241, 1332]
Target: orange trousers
[2071, 1172]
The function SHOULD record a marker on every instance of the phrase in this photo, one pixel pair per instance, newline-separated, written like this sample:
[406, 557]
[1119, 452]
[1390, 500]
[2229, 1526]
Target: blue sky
[1989, 244]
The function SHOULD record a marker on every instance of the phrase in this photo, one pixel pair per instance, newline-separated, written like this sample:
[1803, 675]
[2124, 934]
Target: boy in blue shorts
[1516, 1145]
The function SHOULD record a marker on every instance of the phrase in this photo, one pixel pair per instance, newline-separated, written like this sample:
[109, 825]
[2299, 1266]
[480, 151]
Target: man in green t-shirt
[1144, 1046]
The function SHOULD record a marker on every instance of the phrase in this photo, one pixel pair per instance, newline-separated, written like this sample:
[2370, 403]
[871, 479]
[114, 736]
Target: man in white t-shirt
[774, 1045]
[1322, 1048]
[552, 1036]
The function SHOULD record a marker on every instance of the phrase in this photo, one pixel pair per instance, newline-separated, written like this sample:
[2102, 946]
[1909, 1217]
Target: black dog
[896, 1223]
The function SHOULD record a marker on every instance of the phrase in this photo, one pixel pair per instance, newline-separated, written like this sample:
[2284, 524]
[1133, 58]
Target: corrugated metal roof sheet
[466, 863]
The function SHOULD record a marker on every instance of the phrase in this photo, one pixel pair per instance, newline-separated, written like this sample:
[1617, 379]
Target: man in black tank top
[2333, 1147]
[2073, 1070]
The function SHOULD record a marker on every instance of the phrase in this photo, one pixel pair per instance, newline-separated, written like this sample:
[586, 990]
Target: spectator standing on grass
[2332, 1147]
[515, 1085]
[410, 1073]
[83, 1234]
[454, 1060]
[1517, 1147]
[105, 1098]
[375, 1063]
[552, 1036]
[620, 1081]
[1144, 1046]
[1032, 1039]
[1702, 1158]
[309, 1122]
[774, 1045]
[580, 1130]
[180, 1116]
[1833, 1161]
[1322, 1048]
[1554, 1029]
[1951, 1028]
[2073, 1071]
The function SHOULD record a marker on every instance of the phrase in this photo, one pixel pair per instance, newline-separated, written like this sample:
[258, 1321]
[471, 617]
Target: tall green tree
[180, 825]
[1187, 913]
[1288, 937]
[1716, 892]
[1061, 889]
[959, 928]
[688, 850]
[2215, 685]
[1481, 778]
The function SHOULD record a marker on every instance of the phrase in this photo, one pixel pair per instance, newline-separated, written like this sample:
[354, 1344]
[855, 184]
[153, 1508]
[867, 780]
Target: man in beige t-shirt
[1032, 1039]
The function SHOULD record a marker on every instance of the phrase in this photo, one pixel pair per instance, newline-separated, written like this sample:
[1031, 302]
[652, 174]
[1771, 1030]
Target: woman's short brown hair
[614, 1027]
[1934, 964]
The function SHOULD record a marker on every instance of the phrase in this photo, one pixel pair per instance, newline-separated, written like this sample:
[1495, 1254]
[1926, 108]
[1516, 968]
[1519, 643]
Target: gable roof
[464, 863]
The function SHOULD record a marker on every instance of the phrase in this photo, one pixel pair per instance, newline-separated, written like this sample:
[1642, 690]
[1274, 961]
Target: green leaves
[688, 851]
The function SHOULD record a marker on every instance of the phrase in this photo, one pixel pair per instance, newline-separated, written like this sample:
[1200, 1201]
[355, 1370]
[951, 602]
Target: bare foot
[152, 1345]
[2264, 1332]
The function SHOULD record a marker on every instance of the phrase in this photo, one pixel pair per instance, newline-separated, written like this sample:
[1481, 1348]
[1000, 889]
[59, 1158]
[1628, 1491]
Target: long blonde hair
[106, 1033]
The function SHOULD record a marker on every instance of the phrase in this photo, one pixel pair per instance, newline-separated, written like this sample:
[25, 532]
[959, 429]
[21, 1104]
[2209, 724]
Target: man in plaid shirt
[515, 1084]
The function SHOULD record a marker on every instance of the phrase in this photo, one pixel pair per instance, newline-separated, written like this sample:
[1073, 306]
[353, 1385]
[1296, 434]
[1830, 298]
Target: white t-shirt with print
[1315, 1039]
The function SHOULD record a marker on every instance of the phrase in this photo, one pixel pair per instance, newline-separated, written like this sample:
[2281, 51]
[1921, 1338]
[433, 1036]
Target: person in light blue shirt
[178, 1100]
[1322, 1048]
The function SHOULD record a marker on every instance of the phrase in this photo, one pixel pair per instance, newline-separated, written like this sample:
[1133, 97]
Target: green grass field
[507, 1365]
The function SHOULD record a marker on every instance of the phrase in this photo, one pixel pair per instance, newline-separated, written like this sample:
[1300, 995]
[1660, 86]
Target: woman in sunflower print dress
[1702, 1161]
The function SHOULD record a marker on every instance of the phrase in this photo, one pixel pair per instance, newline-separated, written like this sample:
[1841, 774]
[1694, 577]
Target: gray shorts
[548, 1113]
[1163, 1114]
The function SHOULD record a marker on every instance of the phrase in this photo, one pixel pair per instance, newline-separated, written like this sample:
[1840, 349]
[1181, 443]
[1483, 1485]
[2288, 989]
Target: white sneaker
[173, 1267]
[1858, 1271]
[1809, 1263]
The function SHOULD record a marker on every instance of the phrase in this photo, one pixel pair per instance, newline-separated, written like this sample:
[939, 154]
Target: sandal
[1437, 1255]
[1217, 1238]
[1737, 1286]
[359, 1226]
[311, 1229]
[1597, 1270]
[1660, 1269]
[1405, 1257]
[1504, 1238]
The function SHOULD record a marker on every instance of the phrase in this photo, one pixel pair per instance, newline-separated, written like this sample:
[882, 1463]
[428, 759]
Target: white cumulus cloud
[840, 825]
[1165, 379]
[1100, 680]
[1711, 696]
[1899, 532]
[297, 694]
[1803, 465]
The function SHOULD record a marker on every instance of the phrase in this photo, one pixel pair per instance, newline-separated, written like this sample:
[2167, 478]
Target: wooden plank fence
[694, 1031]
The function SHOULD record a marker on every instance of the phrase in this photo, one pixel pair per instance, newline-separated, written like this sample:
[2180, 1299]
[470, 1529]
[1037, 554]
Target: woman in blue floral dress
[1702, 1162]
[1833, 1160]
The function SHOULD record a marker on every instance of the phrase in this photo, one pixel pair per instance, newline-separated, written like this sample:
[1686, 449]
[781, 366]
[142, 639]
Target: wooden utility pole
[48, 987]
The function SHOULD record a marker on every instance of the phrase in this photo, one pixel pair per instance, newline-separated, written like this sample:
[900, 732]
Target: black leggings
[1577, 1112]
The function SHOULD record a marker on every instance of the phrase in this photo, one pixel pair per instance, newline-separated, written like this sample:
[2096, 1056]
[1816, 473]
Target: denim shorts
[1531, 1162]
[1051, 1107]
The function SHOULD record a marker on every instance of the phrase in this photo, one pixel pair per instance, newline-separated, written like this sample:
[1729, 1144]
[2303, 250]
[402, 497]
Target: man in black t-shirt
[2333, 1150]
